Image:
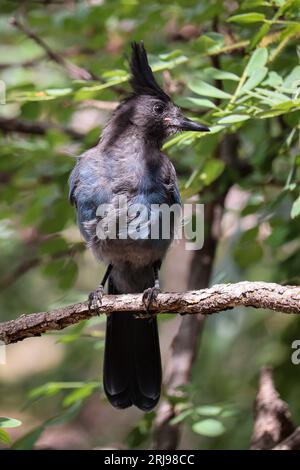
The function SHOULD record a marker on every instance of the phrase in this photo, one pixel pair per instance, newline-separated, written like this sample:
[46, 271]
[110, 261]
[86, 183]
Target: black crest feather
[142, 78]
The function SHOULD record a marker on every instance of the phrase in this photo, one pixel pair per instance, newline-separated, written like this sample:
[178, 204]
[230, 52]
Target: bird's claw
[95, 299]
[150, 297]
[142, 316]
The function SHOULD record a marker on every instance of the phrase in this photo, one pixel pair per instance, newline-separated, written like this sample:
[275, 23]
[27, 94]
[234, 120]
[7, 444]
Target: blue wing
[87, 192]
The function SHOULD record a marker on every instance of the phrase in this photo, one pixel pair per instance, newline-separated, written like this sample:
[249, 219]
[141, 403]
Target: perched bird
[128, 162]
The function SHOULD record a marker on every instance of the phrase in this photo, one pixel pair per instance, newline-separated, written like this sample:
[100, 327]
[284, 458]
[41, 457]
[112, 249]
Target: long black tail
[132, 365]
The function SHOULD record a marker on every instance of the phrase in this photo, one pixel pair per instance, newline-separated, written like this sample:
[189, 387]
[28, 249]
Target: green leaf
[9, 422]
[210, 42]
[68, 415]
[102, 86]
[212, 169]
[205, 89]
[181, 416]
[27, 442]
[273, 79]
[46, 390]
[88, 91]
[256, 77]
[63, 270]
[73, 334]
[170, 55]
[53, 246]
[53, 268]
[191, 102]
[99, 345]
[274, 112]
[216, 129]
[31, 110]
[115, 74]
[232, 118]
[278, 236]
[263, 30]
[182, 139]
[247, 4]
[141, 431]
[5, 437]
[80, 394]
[229, 413]
[58, 91]
[208, 410]
[292, 81]
[257, 60]
[217, 74]
[246, 18]
[161, 65]
[209, 427]
[248, 251]
[31, 96]
[68, 275]
[51, 388]
[295, 208]
[55, 219]
[274, 96]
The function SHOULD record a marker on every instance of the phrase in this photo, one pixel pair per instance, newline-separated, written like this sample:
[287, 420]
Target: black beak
[187, 124]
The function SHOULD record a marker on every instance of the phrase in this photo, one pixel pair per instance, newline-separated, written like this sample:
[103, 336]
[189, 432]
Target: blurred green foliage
[235, 66]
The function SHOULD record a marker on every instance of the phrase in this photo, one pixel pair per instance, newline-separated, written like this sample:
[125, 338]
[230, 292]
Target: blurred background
[63, 69]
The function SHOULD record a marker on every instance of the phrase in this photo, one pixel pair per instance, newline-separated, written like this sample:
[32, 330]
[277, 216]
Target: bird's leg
[150, 295]
[95, 298]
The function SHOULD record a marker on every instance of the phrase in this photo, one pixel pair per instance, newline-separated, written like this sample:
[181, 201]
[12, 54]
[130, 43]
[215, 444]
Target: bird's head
[149, 107]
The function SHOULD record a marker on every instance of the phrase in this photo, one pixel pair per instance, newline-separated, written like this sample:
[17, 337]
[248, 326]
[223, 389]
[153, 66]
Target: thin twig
[26, 265]
[25, 64]
[98, 104]
[8, 125]
[75, 72]
[22, 269]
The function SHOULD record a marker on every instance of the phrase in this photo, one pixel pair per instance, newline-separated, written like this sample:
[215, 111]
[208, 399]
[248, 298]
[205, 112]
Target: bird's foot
[150, 297]
[95, 299]
[143, 316]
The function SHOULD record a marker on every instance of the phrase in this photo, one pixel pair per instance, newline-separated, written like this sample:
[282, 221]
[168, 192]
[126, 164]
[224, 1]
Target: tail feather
[132, 365]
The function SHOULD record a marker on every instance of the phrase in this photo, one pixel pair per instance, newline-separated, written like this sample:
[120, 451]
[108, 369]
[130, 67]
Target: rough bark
[292, 442]
[285, 299]
[8, 125]
[272, 418]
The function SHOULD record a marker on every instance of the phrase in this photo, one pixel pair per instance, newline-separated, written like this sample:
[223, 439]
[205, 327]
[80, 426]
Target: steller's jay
[128, 162]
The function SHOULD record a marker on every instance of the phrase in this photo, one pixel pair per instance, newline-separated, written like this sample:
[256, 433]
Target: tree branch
[35, 261]
[20, 270]
[272, 418]
[292, 442]
[8, 125]
[218, 298]
[75, 72]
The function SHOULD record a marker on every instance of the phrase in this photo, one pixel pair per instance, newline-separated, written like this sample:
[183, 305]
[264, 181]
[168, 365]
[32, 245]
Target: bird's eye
[158, 108]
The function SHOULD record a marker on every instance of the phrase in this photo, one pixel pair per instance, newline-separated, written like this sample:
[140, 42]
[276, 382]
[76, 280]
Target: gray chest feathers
[134, 226]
